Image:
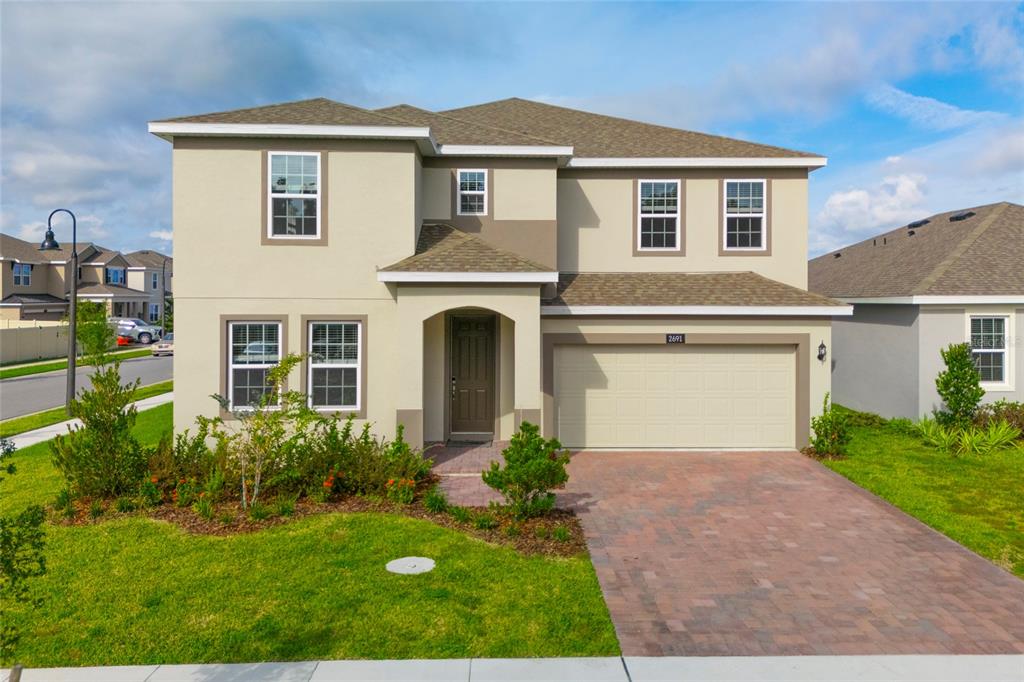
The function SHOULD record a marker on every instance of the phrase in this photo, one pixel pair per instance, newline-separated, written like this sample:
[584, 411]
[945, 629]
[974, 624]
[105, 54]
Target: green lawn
[25, 370]
[139, 591]
[977, 501]
[11, 427]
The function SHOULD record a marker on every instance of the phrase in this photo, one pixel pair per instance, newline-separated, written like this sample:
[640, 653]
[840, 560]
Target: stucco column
[527, 370]
[409, 390]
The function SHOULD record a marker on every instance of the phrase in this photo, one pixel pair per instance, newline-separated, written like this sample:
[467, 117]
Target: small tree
[95, 336]
[21, 558]
[959, 385]
[831, 431]
[533, 466]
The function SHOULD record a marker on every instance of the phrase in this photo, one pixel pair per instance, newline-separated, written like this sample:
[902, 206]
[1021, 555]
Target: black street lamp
[50, 244]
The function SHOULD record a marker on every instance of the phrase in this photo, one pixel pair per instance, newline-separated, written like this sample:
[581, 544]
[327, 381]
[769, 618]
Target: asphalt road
[38, 392]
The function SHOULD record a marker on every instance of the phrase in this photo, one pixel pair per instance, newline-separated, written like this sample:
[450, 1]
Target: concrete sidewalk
[23, 440]
[612, 669]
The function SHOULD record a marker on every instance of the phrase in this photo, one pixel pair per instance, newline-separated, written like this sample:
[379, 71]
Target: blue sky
[918, 106]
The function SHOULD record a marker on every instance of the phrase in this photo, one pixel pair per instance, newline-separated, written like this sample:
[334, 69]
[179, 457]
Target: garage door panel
[675, 396]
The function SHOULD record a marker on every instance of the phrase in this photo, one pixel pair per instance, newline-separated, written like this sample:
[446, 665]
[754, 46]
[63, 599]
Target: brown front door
[472, 379]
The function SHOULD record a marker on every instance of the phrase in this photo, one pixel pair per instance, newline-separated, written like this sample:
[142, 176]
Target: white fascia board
[730, 310]
[502, 150]
[700, 162]
[418, 133]
[936, 300]
[487, 277]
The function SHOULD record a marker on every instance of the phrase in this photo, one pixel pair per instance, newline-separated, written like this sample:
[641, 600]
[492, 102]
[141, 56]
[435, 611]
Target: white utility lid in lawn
[411, 565]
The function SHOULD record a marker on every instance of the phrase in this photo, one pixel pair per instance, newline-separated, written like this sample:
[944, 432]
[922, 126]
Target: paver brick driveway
[770, 553]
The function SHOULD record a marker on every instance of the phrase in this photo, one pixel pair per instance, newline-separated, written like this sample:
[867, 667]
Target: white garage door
[675, 396]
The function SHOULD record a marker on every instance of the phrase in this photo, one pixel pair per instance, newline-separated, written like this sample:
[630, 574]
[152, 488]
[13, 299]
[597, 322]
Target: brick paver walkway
[733, 553]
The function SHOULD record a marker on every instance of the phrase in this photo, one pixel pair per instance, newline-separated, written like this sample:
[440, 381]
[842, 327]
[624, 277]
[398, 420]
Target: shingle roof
[318, 111]
[147, 259]
[981, 255]
[32, 299]
[596, 135]
[97, 289]
[27, 252]
[443, 248]
[679, 289]
[449, 130]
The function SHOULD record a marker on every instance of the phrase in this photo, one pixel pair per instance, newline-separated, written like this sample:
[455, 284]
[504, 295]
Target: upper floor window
[22, 274]
[255, 347]
[294, 195]
[113, 275]
[744, 215]
[989, 348]
[658, 215]
[472, 192]
[155, 278]
[154, 312]
[334, 365]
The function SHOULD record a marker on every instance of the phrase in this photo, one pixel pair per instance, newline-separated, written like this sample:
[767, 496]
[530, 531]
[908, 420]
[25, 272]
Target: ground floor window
[254, 347]
[335, 355]
[988, 348]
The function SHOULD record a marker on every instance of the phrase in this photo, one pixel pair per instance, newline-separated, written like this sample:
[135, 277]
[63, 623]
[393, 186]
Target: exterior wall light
[822, 351]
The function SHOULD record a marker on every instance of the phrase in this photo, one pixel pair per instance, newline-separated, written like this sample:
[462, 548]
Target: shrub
[1000, 435]
[259, 511]
[485, 521]
[1001, 411]
[401, 490]
[96, 509]
[185, 492]
[285, 505]
[901, 425]
[533, 466]
[561, 534]
[204, 507]
[959, 386]
[513, 530]
[435, 500]
[101, 458]
[214, 485]
[150, 493]
[541, 532]
[124, 505]
[65, 503]
[831, 431]
[970, 440]
[460, 514]
[226, 518]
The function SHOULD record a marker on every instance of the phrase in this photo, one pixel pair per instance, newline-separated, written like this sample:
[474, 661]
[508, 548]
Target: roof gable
[317, 111]
[443, 248]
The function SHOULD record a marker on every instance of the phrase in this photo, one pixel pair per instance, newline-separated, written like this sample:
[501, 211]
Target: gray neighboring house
[949, 278]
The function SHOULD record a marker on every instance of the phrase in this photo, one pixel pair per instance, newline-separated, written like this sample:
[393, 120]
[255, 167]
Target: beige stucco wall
[437, 194]
[525, 194]
[434, 381]
[597, 225]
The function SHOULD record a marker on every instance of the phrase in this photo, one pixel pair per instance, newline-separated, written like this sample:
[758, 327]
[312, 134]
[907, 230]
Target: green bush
[1001, 411]
[259, 511]
[460, 514]
[204, 507]
[96, 509]
[124, 505]
[970, 440]
[533, 467]
[901, 425]
[959, 386]
[150, 493]
[485, 521]
[65, 503]
[561, 534]
[101, 458]
[513, 530]
[285, 505]
[831, 431]
[435, 500]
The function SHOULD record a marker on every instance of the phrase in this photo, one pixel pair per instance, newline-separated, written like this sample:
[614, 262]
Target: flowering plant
[401, 490]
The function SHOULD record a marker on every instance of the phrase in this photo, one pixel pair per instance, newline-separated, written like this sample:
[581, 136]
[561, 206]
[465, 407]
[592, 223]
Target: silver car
[138, 330]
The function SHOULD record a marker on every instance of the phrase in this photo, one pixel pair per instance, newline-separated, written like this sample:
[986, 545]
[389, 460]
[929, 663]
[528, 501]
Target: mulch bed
[538, 536]
[814, 454]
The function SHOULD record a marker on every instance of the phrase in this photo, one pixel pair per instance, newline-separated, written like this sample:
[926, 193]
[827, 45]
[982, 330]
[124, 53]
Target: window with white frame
[155, 279]
[254, 347]
[154, 312]
[988, 347]
[294, 200]
[113, 275]
[472, 192]
[334, 362]
[658, 219]
[22, 274]
[744, 215]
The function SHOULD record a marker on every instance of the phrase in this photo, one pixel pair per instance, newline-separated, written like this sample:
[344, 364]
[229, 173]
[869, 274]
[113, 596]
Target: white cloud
[926, 111]
[895, 200]
[162, 235]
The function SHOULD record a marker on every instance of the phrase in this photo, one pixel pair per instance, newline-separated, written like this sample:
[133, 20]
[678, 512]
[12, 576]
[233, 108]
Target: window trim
[22, 274]
[124, 276]
[155, 279]
[640, 215]
[227, 381]
[763, 249]
[154, 312]
[1007, 384]
[269, 227]
[459, 192]
[310, 366]
[364, 360]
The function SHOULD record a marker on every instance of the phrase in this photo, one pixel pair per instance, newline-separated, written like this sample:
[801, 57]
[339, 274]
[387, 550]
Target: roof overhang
[468, 277]
[1002, 299]
[419, 134]
[505, 150]
[700, 162]
[716, 310]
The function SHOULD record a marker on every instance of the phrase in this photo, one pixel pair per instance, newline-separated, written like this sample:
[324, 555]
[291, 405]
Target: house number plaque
[675, 338]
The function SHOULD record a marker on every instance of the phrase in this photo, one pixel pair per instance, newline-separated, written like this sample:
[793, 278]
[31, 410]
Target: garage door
[675, 396]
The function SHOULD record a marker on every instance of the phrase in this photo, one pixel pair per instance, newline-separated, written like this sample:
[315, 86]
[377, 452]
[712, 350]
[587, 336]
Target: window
[659, 215]
[22, 274]
[334, 357]
[744, 215]
[294, 195]
[113, 275]
[988, 348]
[472, 192]
[154, 312]
[156, 279]
[254, 348]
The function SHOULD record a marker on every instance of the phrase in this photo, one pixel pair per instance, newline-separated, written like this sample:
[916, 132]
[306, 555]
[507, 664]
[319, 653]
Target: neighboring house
[624, 285]
[951, 278]
[35, 283]
[152, 272]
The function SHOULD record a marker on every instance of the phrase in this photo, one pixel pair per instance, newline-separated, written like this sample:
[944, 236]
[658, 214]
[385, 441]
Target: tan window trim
[635, 232]
[363, 359]
[225, 339]
[265, 238]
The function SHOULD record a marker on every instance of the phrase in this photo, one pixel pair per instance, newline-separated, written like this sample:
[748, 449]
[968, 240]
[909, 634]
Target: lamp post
[50, 244]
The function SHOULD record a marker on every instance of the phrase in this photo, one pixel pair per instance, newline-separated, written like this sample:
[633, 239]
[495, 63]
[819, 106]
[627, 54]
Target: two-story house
[153, 273]
[35, 284]
[624, 285]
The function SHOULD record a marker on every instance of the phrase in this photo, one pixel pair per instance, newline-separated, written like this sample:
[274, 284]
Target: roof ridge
[960, 249]
[277, 105]
[478, 123]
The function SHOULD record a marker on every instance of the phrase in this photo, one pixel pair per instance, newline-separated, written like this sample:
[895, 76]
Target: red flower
[328, 483]
[391, 481]
[153, 479]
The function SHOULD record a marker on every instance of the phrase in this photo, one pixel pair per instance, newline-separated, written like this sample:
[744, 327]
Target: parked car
[137, 330]
[164, 346]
